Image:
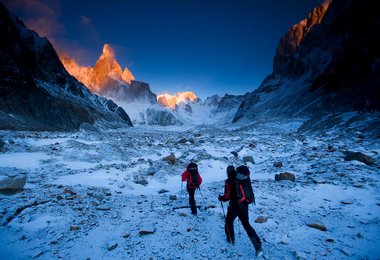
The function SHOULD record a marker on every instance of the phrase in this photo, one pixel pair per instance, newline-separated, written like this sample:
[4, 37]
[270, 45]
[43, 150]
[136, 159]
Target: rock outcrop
[327, 63]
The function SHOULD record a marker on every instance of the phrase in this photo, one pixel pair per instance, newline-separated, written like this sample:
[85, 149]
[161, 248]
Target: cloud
[89, 30]
[41, 16]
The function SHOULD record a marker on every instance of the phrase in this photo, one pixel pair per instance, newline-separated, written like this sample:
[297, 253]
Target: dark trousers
[241, 211]
[193, 206]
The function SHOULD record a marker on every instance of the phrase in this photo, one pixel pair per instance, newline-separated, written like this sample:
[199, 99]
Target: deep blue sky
[209, 47]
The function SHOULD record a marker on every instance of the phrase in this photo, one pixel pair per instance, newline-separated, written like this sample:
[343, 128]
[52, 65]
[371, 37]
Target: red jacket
[186, 176]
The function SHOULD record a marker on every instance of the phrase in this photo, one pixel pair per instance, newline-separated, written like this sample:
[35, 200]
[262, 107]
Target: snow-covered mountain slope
[329, 62]
[101, 195]
[36, 92]
[149, 114]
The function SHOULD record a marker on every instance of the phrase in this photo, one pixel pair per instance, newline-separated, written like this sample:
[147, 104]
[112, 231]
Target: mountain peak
[105, 74]
[171, 101]
[108, 51]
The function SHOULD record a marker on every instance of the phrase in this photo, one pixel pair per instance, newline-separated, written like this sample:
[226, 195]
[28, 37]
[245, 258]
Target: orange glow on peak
[171, 101]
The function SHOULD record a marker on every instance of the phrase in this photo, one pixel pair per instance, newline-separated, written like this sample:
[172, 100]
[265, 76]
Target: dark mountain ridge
[330, 62]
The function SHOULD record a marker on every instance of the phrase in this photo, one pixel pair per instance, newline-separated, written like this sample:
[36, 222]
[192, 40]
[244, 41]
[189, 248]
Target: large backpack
[245, 191]
[193, 169]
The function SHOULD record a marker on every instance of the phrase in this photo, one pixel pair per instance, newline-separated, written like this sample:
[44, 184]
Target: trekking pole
[203, 200]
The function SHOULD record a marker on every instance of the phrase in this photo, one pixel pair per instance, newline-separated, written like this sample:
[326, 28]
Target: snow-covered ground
[110, 195]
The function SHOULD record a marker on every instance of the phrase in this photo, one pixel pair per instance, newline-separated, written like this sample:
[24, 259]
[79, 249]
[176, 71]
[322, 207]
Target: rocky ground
[117, 194]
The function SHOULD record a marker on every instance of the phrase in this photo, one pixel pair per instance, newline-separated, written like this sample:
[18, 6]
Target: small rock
[121, 185]
[162, 191]
[182, 214]
[277, 164]
[36, 254]
[235, 153]
[346, 202]
[261, 219]
[301, 255]
[69, 191]
[111, 246]
[173, 197]
[142, 182]
[146, 230]
[74, 228]
[103, 208]
[126, 235]
[317, 226]
[182, 141]
[330, 240]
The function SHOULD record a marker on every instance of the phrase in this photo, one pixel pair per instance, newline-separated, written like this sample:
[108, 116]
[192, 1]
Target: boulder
[11, 179]
[358, 156]
[247, 159]
[170, 159]
[285, 176]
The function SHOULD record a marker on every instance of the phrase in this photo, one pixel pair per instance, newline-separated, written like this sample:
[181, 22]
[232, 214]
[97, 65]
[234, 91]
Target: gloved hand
[220, 198]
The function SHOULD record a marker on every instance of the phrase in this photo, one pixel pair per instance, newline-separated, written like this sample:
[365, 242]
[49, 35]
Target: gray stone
[247, 159]
[146, 230]
[111, 246]
[12, 179]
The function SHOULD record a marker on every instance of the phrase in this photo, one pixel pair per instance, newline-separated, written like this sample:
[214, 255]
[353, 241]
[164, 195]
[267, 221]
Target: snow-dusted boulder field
[112, 195]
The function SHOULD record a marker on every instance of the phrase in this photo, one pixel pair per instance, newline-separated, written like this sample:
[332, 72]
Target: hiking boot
[259, 252]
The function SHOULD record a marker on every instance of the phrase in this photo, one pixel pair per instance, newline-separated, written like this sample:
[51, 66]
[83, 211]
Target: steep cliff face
[108, 79]
[36, 92]
[332, 66]
[105, 75]
[291, 41]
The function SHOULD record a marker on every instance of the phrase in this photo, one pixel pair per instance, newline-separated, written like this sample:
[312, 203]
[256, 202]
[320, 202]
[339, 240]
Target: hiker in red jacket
[238, 191]
[193, 178]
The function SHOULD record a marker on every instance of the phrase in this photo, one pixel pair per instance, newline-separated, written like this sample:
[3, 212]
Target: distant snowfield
[110, 195]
